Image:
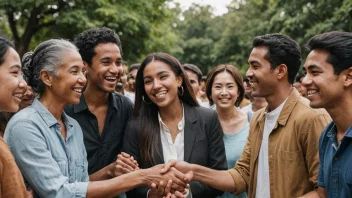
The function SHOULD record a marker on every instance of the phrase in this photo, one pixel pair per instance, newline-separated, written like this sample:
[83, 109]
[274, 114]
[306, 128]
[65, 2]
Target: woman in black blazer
[168, 123]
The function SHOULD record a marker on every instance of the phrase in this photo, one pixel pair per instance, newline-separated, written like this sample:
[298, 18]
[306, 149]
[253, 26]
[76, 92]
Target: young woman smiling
[12, 87]
[169, 124]
[225, 88]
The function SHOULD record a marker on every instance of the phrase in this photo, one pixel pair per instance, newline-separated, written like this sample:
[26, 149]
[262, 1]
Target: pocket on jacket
[348, 176]
[80, 170]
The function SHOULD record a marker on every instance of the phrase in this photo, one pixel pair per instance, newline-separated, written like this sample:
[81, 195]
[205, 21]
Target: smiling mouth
[78, 90]
[18, 95]
[311, 92]
[111, 78]
[161, 94]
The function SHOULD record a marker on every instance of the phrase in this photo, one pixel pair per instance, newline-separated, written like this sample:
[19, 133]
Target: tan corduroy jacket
[293, 150]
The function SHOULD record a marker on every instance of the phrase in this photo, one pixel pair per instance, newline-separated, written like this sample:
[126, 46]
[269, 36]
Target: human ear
[348, 79]
[46, 77]
[179, 80]
[281, 71]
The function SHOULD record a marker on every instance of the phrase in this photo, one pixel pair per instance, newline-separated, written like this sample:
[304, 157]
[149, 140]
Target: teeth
[78, 90]
[18, 95]
[310, 92]
[162, 94]
[111, 78]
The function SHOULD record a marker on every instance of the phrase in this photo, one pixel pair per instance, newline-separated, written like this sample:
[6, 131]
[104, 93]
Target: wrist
[110, 172]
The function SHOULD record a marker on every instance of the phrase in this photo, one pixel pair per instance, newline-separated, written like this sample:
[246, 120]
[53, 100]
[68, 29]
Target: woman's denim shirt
[52, 166]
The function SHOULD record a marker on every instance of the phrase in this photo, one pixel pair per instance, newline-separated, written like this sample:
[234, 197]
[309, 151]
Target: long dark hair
[147, 114]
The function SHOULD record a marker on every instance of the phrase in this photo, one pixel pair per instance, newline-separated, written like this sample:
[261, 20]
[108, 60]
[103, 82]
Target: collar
[180, 125]
[82, 105]
[332, 130]
[48, 118]
[287, 109]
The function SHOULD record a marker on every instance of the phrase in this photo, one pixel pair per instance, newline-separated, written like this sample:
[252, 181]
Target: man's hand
[125, 164]
[154, 175]
[181, 166]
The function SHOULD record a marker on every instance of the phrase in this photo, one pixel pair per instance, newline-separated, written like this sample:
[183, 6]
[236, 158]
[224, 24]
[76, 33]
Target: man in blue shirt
[328, 81]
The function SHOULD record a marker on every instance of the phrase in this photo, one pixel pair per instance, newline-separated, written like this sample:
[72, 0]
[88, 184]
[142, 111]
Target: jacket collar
[286, 111]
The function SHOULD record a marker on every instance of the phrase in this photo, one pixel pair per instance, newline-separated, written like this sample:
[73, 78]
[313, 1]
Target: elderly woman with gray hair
[48, 145]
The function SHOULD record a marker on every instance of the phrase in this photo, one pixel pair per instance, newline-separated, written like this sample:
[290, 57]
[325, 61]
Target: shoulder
[122, 101]
[303, 111]
[28, 115]
[201, 112]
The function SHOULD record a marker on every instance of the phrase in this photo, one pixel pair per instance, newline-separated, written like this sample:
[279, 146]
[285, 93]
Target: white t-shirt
[263, 181]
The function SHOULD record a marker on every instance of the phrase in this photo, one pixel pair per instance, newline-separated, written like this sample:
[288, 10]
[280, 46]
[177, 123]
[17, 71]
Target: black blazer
[203, 143]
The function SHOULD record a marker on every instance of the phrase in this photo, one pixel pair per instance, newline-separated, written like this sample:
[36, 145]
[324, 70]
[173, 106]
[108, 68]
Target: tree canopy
[194, 36]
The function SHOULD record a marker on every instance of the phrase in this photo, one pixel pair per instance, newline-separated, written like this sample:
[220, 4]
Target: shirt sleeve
[310, 145]
[240, 172]
[38, 166]
[321, 164]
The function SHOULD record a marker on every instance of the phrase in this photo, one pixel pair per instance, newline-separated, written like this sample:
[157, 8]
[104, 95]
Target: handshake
[165, 180]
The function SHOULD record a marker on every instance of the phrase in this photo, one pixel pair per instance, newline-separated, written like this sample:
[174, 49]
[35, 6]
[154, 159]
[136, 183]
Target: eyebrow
[15, 66]
[254, 62]
[158, 74]
[311, 67]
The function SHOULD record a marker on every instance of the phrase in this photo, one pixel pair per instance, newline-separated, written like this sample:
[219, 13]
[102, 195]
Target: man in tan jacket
[280, 158]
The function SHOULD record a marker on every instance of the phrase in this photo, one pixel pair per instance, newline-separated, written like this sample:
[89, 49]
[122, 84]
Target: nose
[249, 73]
[82, 79]
[306, 80]
[22, 83]
[223, 91]
[115, 69]
[156, 84]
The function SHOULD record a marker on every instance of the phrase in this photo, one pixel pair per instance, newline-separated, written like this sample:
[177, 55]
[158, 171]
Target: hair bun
[27, 67]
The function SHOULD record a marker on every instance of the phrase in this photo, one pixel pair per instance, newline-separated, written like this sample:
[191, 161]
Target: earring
[182, 91]
[145, 101]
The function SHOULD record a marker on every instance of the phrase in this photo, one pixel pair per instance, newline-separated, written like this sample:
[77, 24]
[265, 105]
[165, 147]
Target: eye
[74, 72]
[146, 82]
[106, 63]
[163, 77]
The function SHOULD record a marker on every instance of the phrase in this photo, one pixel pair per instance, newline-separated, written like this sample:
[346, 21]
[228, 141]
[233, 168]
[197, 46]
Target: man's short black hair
[338, 45]
[195, 69]
[89, 39]
[281, 50]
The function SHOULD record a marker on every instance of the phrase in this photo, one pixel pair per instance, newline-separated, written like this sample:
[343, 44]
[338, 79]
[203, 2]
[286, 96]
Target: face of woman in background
[28, 97]
[12, 85]
[68, 84]
[224, 90]
[161, 84]
[193, 80]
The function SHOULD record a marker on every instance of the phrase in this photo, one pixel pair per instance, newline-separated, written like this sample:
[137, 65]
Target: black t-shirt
[102, 150]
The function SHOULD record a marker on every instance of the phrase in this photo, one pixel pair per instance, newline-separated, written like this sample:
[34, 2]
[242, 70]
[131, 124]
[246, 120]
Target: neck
[278, 97]
[226, 113]
[54, 106]
[172, 112]
[341, 114]
[94, 96]
[258, 103]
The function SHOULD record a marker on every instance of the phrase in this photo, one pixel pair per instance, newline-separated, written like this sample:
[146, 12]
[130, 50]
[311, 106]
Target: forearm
[219, 179]
[116, 186]
[103, 174]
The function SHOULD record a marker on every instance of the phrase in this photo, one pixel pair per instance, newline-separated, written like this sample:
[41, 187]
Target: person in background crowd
[283, 137]
[12, 86]
[168, 123]
[202, 94]
[122, 82]
[47, 144]
[101, 112]
[328, 81]
[298, 85]
[131, 78]
[225, 89]
[256, 102]
[195, 78]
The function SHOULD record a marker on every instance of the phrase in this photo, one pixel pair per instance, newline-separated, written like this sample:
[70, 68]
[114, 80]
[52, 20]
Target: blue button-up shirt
[335, 171]
[52, 166]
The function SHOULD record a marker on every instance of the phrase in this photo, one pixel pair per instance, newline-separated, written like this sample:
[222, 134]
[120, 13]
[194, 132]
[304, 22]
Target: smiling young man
[102, 113]
[280, 158]
[328, 80]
